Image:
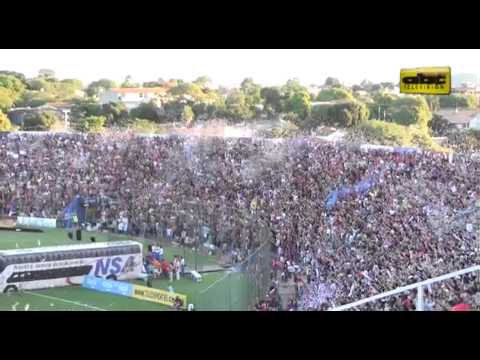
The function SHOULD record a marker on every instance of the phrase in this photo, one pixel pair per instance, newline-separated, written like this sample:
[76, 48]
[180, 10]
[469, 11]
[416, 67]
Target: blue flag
[74, 208]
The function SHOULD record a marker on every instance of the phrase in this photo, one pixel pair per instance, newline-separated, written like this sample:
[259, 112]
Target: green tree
[342, 114]
[34, 98]
[187, 114]
[237, 107]
[14, 85]
[172, 111]
[147, 111]
[299, 103]
[115, 114]
[332, 82]
[6, 100]
[406, 110]
[272, 99]
[40, 121]
[334, 94]
[152, 84]
[411, 110]
[202, 81]
[63, 91]
[292, 86]
[84, 108]
[252, 92]
[5, 124]
[18, 75]
[74, 83]
[392, 134]
[91, 124]
[142, 126]
[96, 87]
[458, 101]
[128, 83]
[207, 111]
[39, 84]
[188, 89]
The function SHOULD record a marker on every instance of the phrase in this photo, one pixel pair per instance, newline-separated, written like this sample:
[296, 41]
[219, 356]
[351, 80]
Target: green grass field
[212, 293]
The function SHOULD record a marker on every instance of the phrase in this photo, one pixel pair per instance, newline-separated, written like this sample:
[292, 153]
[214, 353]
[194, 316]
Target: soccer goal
[419, 287]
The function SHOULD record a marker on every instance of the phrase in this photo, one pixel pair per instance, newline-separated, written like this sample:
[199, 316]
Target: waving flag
[74, 208]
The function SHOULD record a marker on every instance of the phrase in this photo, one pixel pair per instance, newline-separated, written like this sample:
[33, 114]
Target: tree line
[188, 102]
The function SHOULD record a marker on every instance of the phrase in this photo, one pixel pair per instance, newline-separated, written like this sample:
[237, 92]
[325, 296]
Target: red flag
[461, 307]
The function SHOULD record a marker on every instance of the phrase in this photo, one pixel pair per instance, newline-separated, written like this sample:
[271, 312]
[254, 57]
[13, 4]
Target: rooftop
[458, 117]
[156, 90]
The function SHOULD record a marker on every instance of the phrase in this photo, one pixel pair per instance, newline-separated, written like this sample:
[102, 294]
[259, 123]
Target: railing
[419, 286]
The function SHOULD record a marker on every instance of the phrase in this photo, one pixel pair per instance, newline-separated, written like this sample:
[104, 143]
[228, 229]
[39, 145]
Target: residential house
[132, 97]
[462, 119]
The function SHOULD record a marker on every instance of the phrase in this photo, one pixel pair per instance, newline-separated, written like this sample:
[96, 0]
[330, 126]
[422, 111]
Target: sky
[229, 67]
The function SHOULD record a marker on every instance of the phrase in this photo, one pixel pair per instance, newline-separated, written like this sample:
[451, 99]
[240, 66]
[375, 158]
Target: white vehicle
[56, 266]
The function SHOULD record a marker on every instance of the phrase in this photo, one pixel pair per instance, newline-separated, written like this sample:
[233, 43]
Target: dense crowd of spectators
[406, 228]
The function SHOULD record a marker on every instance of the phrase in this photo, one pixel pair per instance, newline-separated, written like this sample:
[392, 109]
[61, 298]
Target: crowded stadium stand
[345, 222]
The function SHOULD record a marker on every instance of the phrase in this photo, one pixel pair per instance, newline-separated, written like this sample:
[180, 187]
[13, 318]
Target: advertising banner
[7, 222]
[108, 286]
[158, 296]
[134, 291]
[36, 222]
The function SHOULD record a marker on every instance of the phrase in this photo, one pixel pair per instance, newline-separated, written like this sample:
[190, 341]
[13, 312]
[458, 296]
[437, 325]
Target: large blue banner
[359, 188]
[76, 207]
[108, 286]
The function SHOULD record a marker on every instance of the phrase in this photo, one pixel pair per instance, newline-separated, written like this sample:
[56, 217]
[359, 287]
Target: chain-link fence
[244, 284]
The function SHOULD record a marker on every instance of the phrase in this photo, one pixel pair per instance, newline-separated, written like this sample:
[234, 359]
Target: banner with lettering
[36, 222]
[135, 291]
[158, 296]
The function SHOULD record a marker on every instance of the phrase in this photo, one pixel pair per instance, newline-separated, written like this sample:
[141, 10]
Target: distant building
[79, 94]
[462, 119]
[132, 97]
[393, 91]
[316, 104]
[361, 93]
[62, 110]
[468, 89]
[314, 89]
